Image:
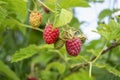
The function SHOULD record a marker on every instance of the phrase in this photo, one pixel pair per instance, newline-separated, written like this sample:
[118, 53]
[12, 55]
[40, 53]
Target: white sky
[91, 16]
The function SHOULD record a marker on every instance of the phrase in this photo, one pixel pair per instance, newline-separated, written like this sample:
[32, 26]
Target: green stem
[27, 25]
[90, 69]
[32, 27]
[99, 54]
[35, 5]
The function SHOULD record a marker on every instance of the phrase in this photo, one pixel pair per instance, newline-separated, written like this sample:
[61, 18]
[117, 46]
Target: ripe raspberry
[50, 35]
[35, 19]
[31, 78]
[59, 44]
[73, 46]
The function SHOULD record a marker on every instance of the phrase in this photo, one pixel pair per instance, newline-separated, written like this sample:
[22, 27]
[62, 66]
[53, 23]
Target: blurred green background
[32, 57]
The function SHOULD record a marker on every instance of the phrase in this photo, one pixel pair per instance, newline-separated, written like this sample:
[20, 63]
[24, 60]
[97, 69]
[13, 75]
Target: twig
[83, 65]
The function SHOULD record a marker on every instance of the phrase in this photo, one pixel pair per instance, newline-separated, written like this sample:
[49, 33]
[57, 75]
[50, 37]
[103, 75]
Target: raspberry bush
[44, 40]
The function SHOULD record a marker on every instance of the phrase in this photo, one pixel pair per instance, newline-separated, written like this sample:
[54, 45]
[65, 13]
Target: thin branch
[83, 65]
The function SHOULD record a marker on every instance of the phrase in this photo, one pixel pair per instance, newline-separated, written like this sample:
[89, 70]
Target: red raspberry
[73, 46]
[31, 78]
[50, 35]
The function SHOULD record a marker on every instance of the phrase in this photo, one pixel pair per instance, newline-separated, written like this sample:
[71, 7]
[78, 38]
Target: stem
[35, 8]
[27, 25]
[45, 6]
[32, 69]
[90, 69]
[32, 27]
[99, 54]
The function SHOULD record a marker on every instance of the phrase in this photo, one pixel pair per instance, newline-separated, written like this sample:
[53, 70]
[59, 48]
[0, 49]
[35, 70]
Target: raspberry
[59, 44]
[73, 46]
[31, 78]
[35, 19]
[50, 35]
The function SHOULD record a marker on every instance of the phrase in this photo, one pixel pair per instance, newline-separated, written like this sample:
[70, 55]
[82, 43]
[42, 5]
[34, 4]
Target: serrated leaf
[60, 67]
[4, 69]
[63, 18]
[25, 53]
[29, 52]
[110, 31]
[108, 68]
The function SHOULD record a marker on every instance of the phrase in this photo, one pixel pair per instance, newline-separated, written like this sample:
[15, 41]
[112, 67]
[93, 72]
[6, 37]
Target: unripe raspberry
[59, 44]
[35, 19]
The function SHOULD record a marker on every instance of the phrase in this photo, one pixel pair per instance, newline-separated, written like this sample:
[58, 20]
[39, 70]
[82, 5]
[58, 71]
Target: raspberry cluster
[72, 40]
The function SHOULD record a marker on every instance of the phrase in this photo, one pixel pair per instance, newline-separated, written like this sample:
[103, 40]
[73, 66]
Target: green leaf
[62, 3]
[3, 14]
[60, 67]
[63, 18]
[108, 68]
[29, 52]
[2, 2]
[73, 3]
[25, 53]
[6, 70]
[81, 75]
[104, 13]
[110, 31]
[19, 7]
[50, 4]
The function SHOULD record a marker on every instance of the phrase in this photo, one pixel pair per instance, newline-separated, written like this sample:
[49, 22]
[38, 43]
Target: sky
[90, 15]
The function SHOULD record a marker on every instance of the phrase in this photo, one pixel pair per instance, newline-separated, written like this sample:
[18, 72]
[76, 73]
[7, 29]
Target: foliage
[23, 51]
[8, 72]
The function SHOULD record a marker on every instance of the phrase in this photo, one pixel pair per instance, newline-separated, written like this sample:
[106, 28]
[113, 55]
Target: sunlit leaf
[110, 31]
[51, 4]
[63, 18]
[73, 3]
